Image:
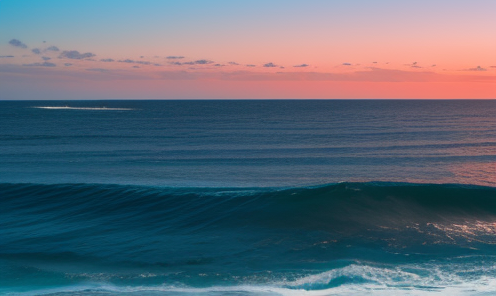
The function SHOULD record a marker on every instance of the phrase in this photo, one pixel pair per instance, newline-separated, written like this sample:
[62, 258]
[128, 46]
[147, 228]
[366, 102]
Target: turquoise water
[248, 198]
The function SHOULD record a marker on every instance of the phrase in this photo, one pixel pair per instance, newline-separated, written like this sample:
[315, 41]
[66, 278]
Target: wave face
[341, 239]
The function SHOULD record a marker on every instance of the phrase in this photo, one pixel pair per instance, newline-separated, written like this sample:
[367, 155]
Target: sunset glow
[225, 49]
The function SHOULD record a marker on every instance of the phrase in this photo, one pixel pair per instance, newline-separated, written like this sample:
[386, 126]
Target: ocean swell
[314, 238]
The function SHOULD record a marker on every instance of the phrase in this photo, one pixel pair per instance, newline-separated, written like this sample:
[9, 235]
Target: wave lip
[82, 108]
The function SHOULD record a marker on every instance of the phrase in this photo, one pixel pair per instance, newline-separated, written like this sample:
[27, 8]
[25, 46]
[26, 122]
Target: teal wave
[68, 235]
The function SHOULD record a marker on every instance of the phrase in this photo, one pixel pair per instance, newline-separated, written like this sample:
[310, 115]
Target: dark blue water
[248, 198]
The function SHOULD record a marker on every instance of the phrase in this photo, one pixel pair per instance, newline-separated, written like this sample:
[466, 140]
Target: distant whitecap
[81, 108]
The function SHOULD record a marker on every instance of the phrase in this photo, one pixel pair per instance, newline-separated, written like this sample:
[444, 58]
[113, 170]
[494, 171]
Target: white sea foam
[409, 279]
[82, 108]
[470, 289]
[383, 282]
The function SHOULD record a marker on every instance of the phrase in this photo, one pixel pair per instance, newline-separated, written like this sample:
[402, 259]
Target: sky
[158, 49]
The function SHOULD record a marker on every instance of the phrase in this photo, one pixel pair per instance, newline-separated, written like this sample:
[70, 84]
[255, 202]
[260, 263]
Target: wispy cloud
[53, 48]
[197, 62]
[346, 64]
[233, 63]
[126, 61]
[97, 70]
[75, 55]
[174, 57]
[301, 66]
[106, 60]
[42, 71]
[45, 64]
[17, 43]
[45, 73]
[129, 61]
[67, 64]
[7, 56]
[478, 68]
[269, 65]
[414, 65]
[203, 62]
[46, 58]
[36, 51]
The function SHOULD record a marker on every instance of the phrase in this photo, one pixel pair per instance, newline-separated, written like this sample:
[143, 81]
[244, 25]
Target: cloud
[250, 65]
[346, 64]
[203, 62]
[368, 75]
[492, 66]
[219, 65]
[45, 64]
[53, 48]
[414, 65]
[67, 64]
[36, 50]
[75, 55]
[174, 57]
[197, 62]
[97, 70]
[479, 68]
[17, 43]
[135, 62]
[46, 58]
[135, 66]
[233, 63]
[269, 65]
[7, 56]
[301, 66]
[107, 60]
[37, 74]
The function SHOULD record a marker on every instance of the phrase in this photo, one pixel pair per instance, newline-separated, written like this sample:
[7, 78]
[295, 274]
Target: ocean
[248, 197]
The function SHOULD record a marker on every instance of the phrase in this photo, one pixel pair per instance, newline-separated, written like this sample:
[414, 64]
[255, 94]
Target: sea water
[382, 197]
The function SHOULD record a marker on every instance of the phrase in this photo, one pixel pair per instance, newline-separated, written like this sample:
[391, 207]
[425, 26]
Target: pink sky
[321, 49]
